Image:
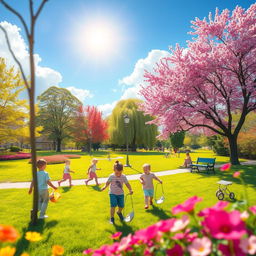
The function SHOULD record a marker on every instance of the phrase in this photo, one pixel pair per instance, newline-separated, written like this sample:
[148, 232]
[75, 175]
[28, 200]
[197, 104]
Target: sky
[100, 49]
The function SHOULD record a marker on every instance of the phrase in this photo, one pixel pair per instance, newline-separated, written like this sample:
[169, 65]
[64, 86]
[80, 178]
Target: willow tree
[137, 132]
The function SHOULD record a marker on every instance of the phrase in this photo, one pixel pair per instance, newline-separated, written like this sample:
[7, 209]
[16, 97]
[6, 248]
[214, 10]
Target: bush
[195, 146]
[15, 149]
[56, 159]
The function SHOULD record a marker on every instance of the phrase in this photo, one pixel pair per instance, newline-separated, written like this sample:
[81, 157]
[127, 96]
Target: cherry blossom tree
[201, 87]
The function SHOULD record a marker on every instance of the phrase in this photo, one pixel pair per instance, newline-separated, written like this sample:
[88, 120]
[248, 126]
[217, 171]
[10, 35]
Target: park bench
[203, 164]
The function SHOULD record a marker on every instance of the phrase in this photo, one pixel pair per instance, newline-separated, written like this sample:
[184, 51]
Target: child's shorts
[92, 175]
[116, 200]
[149, 192]
[66, 176]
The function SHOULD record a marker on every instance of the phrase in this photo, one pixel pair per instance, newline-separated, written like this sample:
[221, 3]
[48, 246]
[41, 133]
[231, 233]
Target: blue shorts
[116, 200]
[148, 192]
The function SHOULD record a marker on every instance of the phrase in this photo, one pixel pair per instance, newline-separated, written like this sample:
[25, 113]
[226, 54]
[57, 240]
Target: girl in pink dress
[92, 172]
[66, 173]
[187, 161]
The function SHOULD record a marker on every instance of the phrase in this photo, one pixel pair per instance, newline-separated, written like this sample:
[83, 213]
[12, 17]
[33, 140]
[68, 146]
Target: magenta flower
[248, 245]
[175, 251]
[185, 236]
[223, 225]
[200, 247]
[218, 206]
[165, 225]
[236, 250]
[225, 167]
[187, 206]
[116, 236]
[236, 174]
[253, 209]
[125, 243]
[88, 251]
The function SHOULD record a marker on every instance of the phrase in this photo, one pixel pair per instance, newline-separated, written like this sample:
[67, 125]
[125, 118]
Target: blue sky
[140, 26]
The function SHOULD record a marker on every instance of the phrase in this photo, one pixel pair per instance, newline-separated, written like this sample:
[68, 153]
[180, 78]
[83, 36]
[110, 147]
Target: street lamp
[126, 122]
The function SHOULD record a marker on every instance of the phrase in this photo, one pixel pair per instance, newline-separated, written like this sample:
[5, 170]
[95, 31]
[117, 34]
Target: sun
[97, 39]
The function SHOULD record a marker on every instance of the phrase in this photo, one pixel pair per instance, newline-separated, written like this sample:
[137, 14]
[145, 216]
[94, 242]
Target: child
[92, 172]
[187, 161]
[66, 173]
[42, 180]
[147, 182]
[116, 192]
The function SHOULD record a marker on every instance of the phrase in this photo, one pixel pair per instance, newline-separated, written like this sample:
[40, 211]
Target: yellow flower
[24, 254]
[33, 236]
[7, 251]
[57, 250]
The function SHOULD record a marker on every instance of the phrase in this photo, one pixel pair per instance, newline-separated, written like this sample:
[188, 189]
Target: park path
[9, 185]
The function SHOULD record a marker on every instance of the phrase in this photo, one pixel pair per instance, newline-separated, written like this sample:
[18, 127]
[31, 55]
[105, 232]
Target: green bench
[203, 164]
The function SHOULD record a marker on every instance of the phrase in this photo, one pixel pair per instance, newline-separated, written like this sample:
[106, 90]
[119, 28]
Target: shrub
[55, 159]
[15, 149]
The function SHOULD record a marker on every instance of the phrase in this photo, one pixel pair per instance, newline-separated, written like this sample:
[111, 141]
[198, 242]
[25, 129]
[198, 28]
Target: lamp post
[126, 122]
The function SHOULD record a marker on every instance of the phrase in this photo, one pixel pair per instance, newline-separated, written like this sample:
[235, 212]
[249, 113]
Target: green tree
[177, 140]
[137, 132]
[13, 111]
[57, 108]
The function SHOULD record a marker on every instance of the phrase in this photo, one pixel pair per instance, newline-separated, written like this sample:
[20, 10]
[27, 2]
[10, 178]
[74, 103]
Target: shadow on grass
[124, 228]
[97, 188]
[159, 212]
[23, 244]
[136, 170]
[65, 189]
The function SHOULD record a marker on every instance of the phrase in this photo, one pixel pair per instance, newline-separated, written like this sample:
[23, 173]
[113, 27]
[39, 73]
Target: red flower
[175, 251]
[8, 234]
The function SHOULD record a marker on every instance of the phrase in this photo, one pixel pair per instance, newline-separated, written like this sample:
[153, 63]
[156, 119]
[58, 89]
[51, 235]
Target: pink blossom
[218, 206]
[180, 224]
[236, 174]
[253, 209]
[165, 225]
[248, 245]
[116, 236]
[185, 236]
[125, 243]
[187, 206]
[175, 251]
[225, 167]
[200, 247]
[223, 225]
[88, 251]
[244, 215]
[227, 251]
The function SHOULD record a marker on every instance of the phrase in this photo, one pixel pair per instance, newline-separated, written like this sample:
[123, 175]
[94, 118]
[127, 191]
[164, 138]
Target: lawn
[20, 170]
[80, 219]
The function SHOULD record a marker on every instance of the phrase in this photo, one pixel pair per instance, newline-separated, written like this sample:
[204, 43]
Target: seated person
[187, 161]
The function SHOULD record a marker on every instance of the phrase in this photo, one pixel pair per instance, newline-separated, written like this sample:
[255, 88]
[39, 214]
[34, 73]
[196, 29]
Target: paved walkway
[8, 185]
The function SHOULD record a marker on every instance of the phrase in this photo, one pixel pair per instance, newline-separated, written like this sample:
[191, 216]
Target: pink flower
[236, 250]
[248, 245]
[253, 209]
[200, 247]
[225, 167]
[244, 215]
[218, 206]
[125, 243]
[116, 236]
[187, 206]
[180, 224]
[185, 236]
[88, 251]
[175, 251]
[236, 174]
[223, 225]
[166, 225]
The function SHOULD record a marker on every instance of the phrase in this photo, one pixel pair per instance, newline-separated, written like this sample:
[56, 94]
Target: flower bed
[56, 159]
[15, 156]
[72, 156]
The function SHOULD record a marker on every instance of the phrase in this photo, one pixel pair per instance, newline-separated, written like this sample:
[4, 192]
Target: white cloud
[45, 77]
[106, 109]
[136, 78]
[81, 94]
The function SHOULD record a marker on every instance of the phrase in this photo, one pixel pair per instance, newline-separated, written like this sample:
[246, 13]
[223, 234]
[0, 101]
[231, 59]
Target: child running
[92, 172]
[43, 180]
[66, 173]
[147, 182]
[116, 192]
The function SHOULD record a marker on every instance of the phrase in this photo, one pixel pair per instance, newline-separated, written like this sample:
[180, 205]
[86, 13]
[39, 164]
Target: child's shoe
[146, 207]
[120, 215]
[43, 217]
[112, 220]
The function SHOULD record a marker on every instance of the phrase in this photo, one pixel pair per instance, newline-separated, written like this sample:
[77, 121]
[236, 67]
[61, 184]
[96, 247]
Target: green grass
[80, 219]
[20, 170]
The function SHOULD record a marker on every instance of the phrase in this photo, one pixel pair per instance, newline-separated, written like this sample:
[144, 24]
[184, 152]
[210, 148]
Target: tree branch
[40, 8]
[15, 58]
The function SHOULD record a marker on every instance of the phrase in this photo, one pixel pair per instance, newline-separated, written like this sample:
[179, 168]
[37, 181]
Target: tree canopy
[137, 132]
[57, 108]
[203, 86]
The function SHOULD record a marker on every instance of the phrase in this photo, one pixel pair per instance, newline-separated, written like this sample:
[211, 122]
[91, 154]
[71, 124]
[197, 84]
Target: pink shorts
[92, 175]
[66, 176]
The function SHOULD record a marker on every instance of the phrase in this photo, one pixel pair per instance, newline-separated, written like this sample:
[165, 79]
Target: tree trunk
[233, 150]
[58, 149]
